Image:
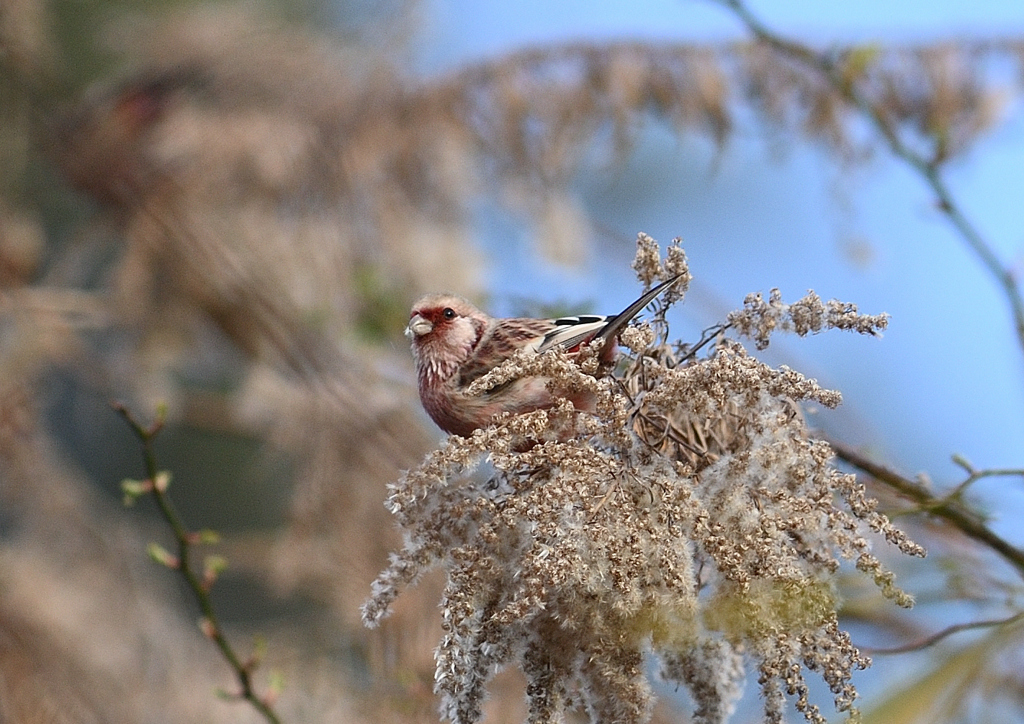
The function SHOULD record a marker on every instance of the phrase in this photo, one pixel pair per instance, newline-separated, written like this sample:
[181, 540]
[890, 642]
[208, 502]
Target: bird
[455, 343]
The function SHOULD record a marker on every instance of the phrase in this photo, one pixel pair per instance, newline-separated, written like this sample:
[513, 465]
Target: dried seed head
[690, 516]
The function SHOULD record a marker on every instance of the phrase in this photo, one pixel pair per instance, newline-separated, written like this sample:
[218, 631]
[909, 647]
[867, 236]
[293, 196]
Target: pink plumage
[455, 343]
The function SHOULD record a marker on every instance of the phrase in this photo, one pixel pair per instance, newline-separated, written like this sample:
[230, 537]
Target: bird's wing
[500, 342]
[570, 332]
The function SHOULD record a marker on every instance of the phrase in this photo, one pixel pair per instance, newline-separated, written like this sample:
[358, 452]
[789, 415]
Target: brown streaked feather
[500, 342]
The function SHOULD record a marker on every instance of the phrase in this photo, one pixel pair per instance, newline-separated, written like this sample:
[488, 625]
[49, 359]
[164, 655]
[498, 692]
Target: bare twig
[929, 168]
[939, 635]
[708, 335]
[155, 484]
[949, 507]
[974, 475]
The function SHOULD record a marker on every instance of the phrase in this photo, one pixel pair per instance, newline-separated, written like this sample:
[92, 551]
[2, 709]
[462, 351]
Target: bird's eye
[448, 313]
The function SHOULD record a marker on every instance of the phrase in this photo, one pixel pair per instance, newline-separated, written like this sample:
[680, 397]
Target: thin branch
[711, 333]
[156, 485]
[974, 475]
[938, 636]
[928, 168]
[949, 508]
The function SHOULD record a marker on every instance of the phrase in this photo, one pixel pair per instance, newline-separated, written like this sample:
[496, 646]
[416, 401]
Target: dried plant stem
[929, 168]
[949, 508]
[198, 584]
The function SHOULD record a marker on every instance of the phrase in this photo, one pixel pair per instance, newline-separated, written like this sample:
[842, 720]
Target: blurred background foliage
[229, 208]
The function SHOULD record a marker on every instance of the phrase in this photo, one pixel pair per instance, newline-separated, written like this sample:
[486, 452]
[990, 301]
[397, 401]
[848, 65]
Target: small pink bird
[455, 343]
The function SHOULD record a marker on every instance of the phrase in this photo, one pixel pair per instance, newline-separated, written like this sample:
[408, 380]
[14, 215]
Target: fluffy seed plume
[686, 515]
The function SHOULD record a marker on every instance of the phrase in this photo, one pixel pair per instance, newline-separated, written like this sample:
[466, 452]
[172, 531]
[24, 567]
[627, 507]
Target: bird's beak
[418, 326]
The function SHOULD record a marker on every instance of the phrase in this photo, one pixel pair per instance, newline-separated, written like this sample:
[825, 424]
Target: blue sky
[470, 28]
[948, 377]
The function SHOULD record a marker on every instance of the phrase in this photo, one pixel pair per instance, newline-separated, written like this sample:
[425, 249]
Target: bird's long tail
[620, 320]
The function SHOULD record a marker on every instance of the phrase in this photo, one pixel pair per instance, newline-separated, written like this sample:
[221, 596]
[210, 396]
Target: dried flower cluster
[691, 517]
[758, 318]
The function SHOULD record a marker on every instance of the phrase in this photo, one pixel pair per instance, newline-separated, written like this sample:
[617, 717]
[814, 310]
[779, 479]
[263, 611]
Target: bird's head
[444, 331]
